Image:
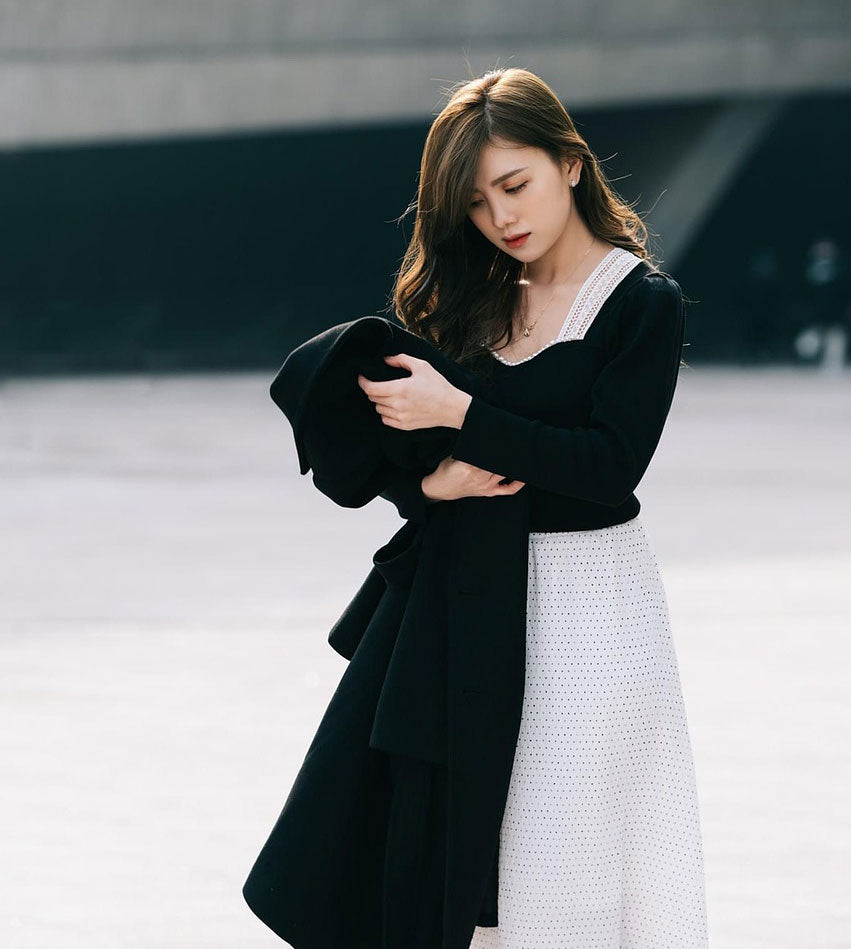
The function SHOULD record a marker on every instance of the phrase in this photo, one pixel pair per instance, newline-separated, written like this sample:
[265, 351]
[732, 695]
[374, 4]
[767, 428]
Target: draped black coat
[389, 836]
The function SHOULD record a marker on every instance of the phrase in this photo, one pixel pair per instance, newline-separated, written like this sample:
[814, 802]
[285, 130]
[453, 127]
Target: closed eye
[514, 190]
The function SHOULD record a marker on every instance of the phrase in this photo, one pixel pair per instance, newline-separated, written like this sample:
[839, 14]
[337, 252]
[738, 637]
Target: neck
[563, 259]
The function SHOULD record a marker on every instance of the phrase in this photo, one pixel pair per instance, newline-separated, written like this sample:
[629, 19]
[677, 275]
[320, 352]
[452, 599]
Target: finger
[511, 488]
[372, 388]
[402, 359]
[387, 411]
[393, 421]
[384, 389]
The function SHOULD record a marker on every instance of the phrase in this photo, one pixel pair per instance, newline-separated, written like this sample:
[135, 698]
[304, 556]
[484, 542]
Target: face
[534, 198]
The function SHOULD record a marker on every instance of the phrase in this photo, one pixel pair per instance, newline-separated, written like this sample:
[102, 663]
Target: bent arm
[604, 461]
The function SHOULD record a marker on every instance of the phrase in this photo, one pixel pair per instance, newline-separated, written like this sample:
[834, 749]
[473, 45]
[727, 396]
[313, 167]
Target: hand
[453, 479]
[425, 399]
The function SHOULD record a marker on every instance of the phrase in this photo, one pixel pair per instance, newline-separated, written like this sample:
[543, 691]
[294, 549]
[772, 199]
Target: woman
[526, 266]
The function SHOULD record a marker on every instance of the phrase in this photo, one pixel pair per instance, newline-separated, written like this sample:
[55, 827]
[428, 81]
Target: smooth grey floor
[167, 584]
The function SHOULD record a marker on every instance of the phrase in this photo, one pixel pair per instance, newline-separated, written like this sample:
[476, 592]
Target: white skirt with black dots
[600, 845]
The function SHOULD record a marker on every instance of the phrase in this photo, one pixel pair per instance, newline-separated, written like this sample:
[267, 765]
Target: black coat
[389, 836]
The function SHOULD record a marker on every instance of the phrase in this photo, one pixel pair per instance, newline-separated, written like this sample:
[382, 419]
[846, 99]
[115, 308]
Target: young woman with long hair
[526, 266]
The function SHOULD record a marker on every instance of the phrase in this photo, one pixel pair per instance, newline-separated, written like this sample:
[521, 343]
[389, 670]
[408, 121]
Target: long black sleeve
[604, 461]
[406, 492]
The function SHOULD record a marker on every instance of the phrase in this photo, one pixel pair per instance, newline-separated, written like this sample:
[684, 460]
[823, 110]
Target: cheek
[482, 223]
[549, 211]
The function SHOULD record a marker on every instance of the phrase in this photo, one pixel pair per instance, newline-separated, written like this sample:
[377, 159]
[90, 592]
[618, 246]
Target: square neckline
[559, 338]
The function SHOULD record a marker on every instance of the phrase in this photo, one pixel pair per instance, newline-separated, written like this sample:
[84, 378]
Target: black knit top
[580, 419]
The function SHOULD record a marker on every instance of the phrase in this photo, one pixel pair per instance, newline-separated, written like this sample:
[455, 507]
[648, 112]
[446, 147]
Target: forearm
[424, 487]
[594, 465]
[459, 409]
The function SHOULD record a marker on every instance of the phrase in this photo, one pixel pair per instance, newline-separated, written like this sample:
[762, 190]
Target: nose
[501, 217]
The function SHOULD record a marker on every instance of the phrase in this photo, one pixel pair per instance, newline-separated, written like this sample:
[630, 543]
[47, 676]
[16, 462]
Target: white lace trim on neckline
[589, 300]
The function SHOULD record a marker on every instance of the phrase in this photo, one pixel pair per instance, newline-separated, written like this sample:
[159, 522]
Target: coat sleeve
[603, 461]
[406, 492]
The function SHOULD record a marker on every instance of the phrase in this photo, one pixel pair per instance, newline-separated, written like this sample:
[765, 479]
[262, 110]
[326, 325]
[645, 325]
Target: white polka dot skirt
[600, 845]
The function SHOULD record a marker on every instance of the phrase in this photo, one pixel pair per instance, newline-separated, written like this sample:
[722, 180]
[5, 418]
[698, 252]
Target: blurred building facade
[204, 183]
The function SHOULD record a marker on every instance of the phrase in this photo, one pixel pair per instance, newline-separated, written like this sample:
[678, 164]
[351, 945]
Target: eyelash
[513, 190]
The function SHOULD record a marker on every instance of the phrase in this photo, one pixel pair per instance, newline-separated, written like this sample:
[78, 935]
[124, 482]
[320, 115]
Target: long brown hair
[454, 287]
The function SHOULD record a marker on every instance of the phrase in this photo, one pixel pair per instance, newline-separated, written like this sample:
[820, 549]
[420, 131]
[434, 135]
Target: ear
[574, 170]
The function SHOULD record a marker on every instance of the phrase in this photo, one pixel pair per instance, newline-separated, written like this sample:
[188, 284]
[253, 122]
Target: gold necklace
[528, 329]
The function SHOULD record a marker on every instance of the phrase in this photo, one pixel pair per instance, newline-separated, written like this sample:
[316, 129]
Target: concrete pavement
[166, 588]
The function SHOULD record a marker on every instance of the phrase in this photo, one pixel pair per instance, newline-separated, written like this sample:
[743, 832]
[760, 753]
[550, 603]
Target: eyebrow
[508, 174]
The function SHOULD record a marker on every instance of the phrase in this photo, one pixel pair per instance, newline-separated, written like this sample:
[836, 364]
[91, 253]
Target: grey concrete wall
[106, 69]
